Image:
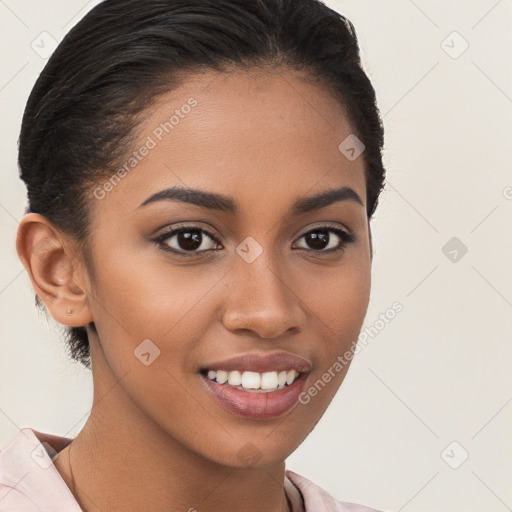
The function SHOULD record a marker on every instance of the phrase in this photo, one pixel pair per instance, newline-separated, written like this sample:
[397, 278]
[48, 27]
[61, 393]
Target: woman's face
[261, 271]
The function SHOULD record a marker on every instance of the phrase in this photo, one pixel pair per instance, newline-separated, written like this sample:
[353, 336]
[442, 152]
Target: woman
[201, 175]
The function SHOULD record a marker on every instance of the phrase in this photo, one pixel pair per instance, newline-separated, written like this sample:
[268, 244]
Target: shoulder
[316, 498]
[29, 481]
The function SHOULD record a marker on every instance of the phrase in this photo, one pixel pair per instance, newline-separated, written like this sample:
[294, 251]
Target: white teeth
[261, 382]
[290, 376]
[251, 380]
[234, 378]
[269, 380]
[221, 377]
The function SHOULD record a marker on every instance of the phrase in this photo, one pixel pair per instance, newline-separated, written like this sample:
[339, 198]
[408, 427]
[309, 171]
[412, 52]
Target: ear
[51, 262]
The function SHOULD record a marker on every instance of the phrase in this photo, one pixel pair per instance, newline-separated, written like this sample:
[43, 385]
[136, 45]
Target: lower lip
[257, 406]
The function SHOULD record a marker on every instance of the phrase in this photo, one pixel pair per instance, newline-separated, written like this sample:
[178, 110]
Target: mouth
[257, 386]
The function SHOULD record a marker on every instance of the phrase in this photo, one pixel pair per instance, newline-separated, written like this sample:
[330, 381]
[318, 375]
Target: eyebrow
[227, 204]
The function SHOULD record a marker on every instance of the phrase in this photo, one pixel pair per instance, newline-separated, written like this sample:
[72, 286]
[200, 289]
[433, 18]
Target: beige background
[440, 371]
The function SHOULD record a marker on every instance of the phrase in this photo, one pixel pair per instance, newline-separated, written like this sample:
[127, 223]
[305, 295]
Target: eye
[322, 240]
[187, 239]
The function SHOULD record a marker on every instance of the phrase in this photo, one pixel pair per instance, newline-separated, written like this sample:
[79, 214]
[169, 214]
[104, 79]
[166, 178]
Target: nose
[260, 298]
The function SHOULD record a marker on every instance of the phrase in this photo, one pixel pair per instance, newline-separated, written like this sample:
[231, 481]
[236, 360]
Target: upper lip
[261, 363]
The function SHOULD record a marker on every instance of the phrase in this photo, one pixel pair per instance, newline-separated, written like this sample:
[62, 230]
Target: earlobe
[44, 253]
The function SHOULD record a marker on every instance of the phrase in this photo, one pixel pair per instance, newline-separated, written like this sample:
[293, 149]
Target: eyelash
[346, 239]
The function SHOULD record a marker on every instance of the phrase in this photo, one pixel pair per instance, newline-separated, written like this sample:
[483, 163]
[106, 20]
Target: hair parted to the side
[83, 111]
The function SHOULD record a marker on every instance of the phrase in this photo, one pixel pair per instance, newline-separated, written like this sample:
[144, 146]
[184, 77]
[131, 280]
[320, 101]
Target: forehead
[271, 134]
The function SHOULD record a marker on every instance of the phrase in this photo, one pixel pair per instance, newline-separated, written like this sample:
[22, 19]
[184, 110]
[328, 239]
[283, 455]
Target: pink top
[29, 481]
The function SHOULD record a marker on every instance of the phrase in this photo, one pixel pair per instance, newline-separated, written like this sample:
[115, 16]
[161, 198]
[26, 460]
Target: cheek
[136, 290]
[346, 310]
[339, 310]
[148, 321]
[137, 299]
[340, 301]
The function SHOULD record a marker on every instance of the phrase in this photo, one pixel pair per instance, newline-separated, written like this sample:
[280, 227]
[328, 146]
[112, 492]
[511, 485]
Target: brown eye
[327, 239]
[192, 240]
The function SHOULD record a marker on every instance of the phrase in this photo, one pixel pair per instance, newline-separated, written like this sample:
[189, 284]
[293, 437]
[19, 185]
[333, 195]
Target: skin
[266, 138]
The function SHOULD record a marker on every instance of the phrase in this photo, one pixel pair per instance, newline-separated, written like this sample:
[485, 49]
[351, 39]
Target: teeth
[290, 376]
[251, 380]
[221, 376]
[234, 378]
[267, 381]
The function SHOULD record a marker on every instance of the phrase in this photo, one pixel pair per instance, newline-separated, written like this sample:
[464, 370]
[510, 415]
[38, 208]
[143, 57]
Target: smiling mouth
[253, 382]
